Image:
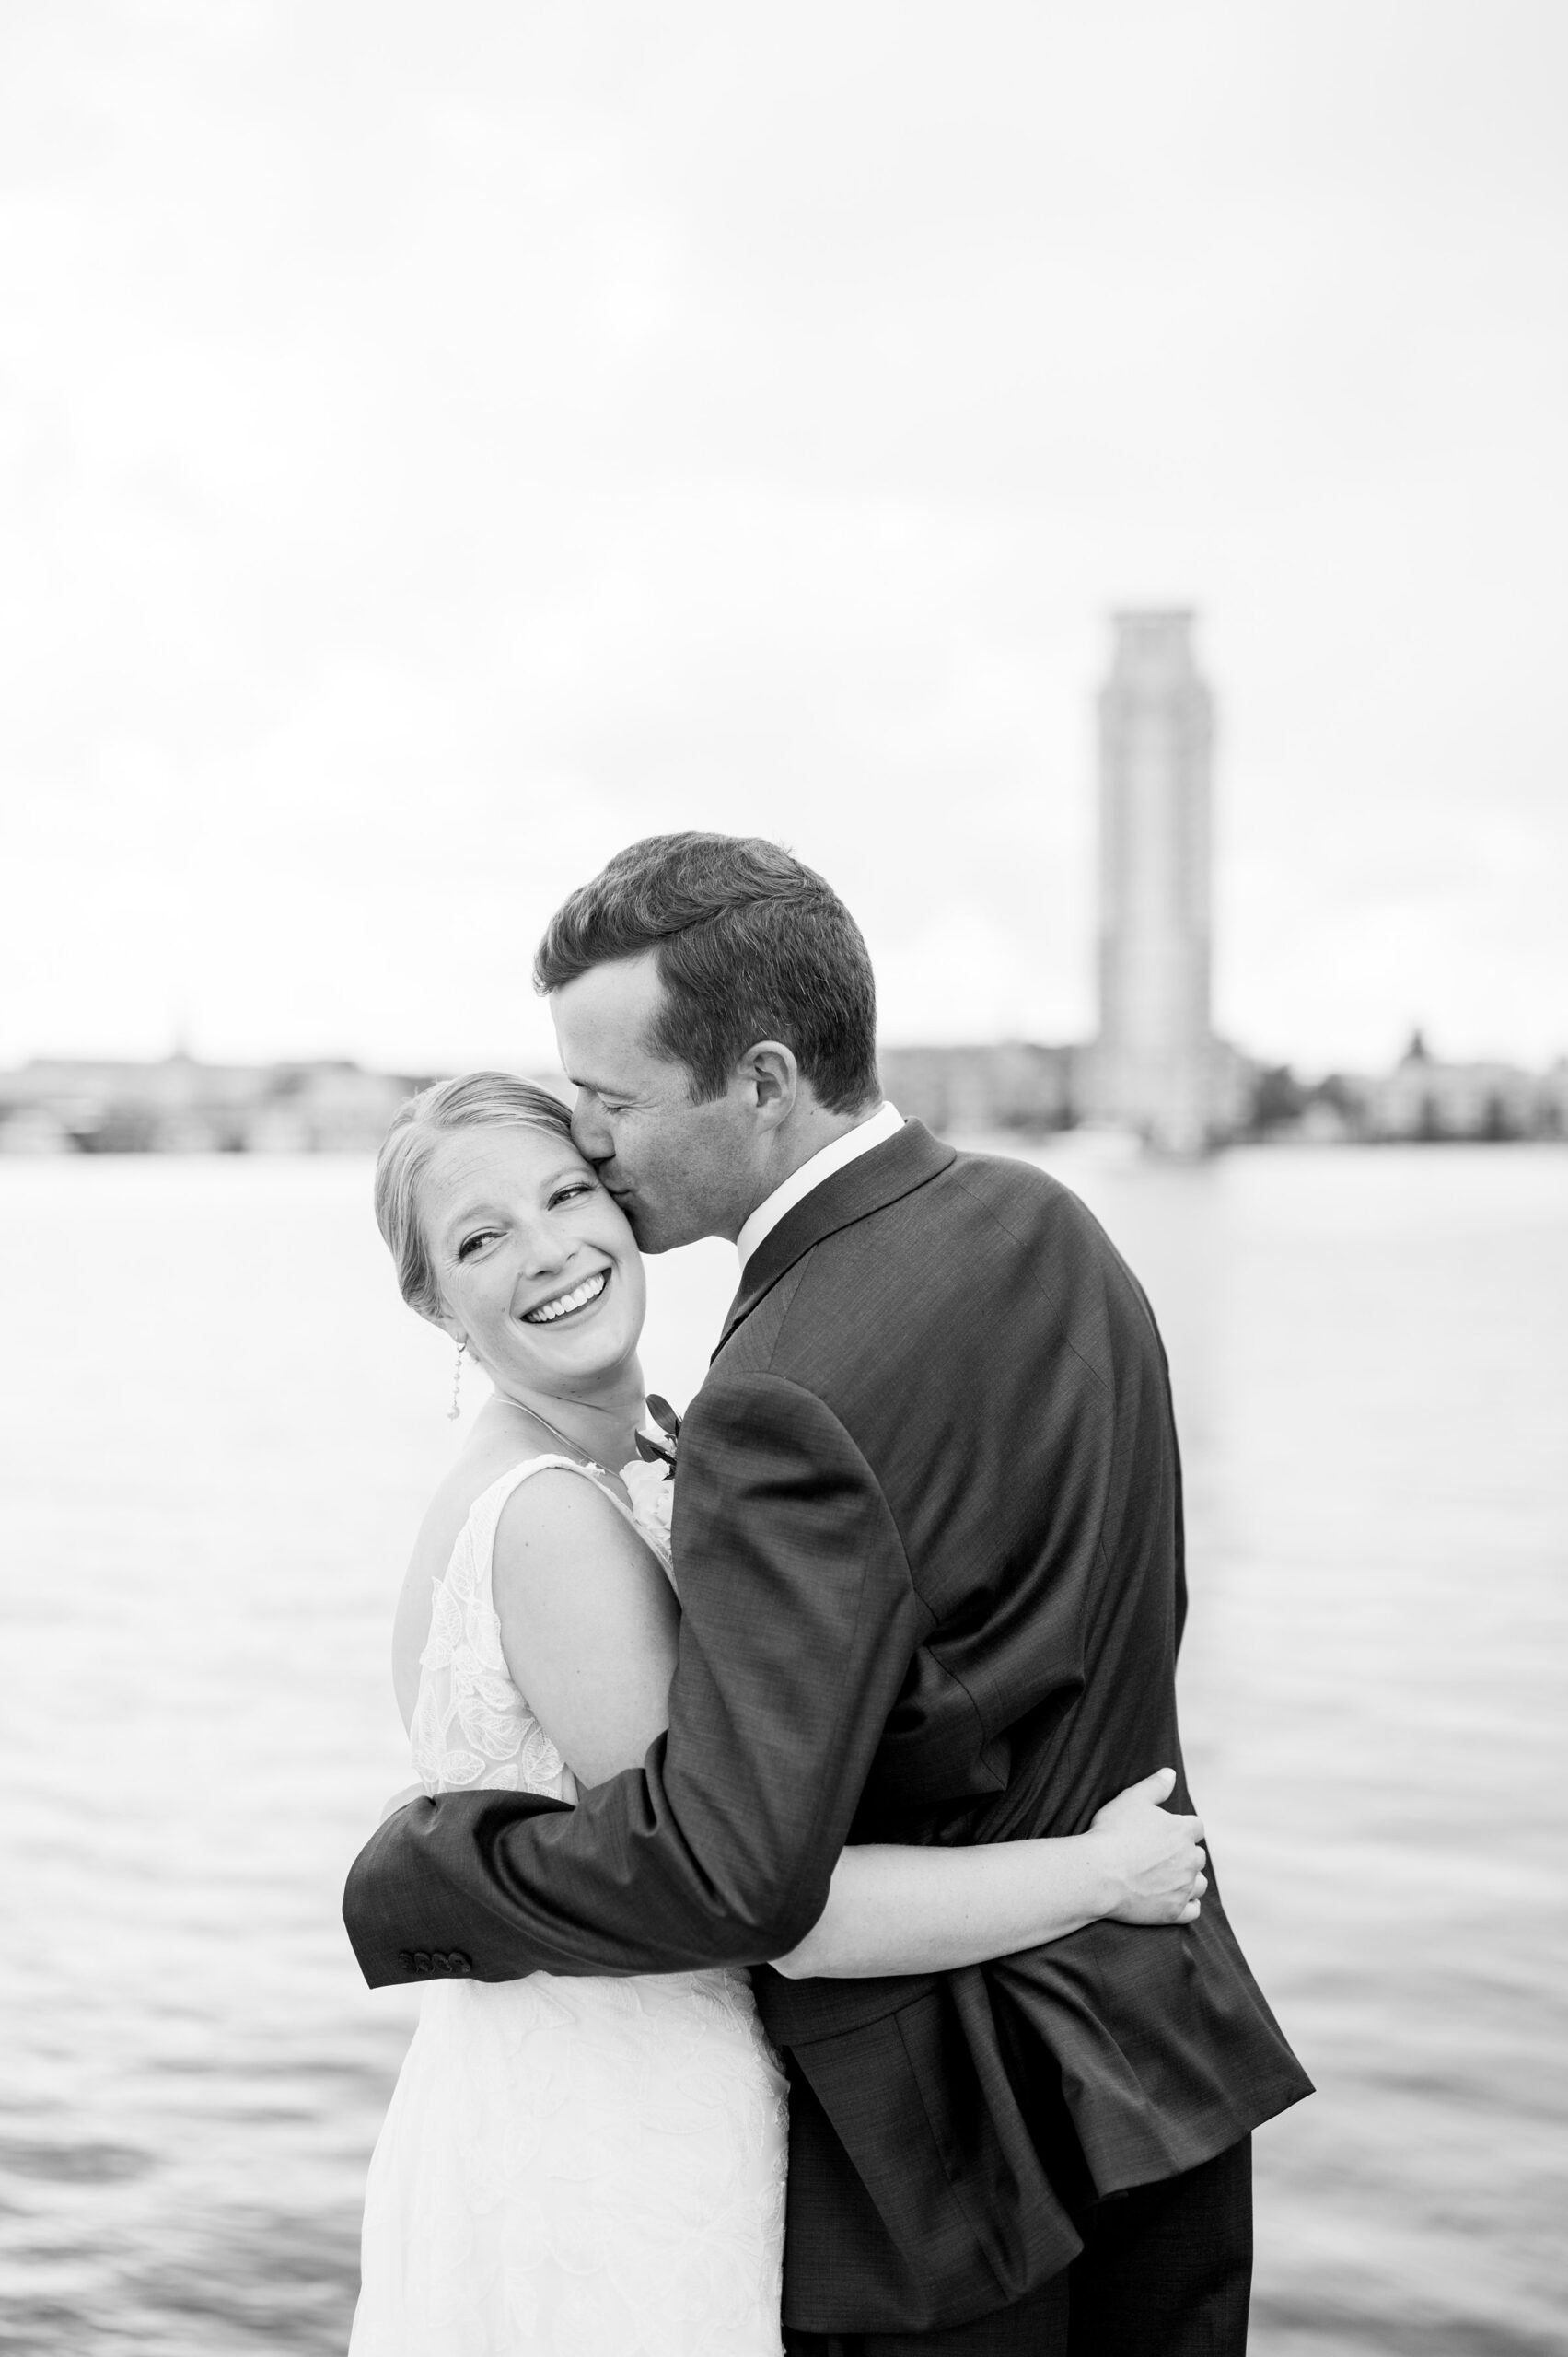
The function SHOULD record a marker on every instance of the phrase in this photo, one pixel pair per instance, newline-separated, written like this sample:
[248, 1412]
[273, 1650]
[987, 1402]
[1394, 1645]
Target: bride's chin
[601, 1357]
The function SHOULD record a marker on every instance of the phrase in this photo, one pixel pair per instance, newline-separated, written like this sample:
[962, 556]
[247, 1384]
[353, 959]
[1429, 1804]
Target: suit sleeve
[798, 1624]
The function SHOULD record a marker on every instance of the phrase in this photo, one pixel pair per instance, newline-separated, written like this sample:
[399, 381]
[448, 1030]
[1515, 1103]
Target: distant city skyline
[180, 1106]
[435, 454]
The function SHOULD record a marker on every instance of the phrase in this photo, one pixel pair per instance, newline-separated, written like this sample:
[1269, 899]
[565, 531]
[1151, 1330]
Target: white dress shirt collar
[876, 1129]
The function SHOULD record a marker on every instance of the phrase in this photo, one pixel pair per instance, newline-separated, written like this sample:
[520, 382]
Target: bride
[595, 2167]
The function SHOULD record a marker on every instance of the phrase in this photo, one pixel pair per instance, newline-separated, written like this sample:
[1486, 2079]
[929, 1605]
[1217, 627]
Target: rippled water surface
[219, 1429]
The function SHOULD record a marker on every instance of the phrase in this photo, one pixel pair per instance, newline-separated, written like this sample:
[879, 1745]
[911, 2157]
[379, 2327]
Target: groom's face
[679, 1171]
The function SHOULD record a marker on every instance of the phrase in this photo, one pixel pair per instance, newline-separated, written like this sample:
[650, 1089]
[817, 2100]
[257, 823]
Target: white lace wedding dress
[569, 2167]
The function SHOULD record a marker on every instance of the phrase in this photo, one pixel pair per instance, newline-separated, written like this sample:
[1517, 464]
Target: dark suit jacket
[928, 1539]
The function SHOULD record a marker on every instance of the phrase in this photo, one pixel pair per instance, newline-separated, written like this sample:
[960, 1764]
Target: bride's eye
[569, 1193]
[470, 1244]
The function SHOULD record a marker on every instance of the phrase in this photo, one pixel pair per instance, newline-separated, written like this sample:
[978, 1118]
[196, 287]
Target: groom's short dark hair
[750, 945]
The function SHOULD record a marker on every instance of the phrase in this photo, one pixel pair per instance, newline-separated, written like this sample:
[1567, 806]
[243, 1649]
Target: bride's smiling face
[537, 1268]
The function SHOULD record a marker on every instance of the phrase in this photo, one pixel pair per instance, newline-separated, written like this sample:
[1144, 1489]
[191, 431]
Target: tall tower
[1156, 1062]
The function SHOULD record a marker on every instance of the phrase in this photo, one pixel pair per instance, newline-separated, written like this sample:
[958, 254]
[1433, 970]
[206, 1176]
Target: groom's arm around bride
[929, 1543]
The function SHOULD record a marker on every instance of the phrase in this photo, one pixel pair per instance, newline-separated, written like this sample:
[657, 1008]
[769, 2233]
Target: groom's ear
[773, 1078]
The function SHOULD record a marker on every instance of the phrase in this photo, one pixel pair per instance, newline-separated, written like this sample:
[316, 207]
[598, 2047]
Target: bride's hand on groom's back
[1155, 1860]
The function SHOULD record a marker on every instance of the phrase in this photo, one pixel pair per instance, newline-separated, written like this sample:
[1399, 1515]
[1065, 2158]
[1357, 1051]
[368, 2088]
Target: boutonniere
[660, 1452]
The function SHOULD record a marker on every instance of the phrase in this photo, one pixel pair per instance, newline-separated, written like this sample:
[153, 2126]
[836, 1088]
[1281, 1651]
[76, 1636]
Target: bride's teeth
[548, 1311]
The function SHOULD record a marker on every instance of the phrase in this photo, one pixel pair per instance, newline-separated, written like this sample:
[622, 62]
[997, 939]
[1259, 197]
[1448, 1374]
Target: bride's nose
[543, 1248]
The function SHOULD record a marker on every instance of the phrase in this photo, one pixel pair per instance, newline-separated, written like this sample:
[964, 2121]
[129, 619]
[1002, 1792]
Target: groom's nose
[590, 1130]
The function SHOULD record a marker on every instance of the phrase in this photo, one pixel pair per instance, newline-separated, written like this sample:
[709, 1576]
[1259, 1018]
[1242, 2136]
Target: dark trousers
[1165, 2270]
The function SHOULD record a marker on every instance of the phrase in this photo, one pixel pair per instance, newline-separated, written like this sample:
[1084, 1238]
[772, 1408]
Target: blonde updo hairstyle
[475, 1100]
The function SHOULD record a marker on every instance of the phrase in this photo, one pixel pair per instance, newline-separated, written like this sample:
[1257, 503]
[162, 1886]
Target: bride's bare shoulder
[558, 1512]
[548, 1508]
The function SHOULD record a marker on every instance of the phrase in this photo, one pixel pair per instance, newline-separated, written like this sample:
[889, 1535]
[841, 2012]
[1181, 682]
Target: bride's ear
[451, 1326]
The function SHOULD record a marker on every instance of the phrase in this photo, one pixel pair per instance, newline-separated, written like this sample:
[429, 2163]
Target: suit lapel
[863, 1185]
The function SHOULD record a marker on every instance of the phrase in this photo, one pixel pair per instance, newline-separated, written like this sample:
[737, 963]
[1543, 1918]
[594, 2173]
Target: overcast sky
[441, 442]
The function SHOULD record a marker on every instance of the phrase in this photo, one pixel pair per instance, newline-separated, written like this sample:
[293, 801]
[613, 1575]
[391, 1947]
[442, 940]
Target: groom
[928, 1541]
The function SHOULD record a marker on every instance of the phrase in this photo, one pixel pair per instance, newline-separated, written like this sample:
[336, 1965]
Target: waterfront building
[102, 1105]
[1425, 1098]
[966, 1091]
[1156, 1067]
[1555, 1100]
[32, 1129]
[331, 1108]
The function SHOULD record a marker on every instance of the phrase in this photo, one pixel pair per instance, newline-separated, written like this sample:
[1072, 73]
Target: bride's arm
[589, 1623]
[896, 1910]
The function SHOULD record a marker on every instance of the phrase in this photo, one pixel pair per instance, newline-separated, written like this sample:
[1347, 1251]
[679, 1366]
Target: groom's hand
[1155, 1859]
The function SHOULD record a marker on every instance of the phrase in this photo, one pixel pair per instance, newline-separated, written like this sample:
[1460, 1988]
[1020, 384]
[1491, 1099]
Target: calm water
[220, 1428]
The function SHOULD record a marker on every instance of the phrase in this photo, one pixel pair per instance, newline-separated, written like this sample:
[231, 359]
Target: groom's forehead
[604, 1019]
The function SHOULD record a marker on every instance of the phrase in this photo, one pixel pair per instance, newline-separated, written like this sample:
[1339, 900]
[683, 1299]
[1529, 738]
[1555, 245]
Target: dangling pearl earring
[455, 1410]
